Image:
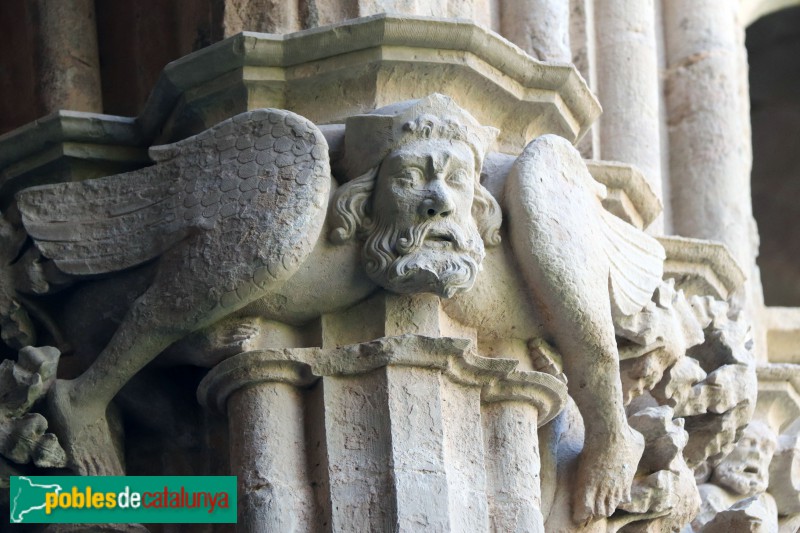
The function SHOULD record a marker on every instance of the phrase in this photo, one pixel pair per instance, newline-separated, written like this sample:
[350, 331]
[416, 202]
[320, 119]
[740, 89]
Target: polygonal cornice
[779, 396]
[329, 73]
[630, 196]
[325, 74]
[48, 149]
[701, 267]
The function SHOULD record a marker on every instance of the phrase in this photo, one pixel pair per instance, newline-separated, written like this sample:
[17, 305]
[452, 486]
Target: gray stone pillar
[268, 16]
[410, 447]
[709, 132]
[540, 27]
[417, 432]
[359, 453]
[69, 64]
[708, 102]
[259, 392]
[514, 408]
[628, 89]
[404, 443]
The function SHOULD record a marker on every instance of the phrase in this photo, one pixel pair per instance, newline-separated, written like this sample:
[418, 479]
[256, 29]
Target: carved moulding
[783, 334]
[367, 63]
[778, 410]
[325, 74]
[442, 428]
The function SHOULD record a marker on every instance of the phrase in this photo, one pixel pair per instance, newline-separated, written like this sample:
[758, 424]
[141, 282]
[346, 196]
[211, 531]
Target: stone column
[707, 98]
[583, 43]
[259, 391]
[540, 27]
[709, 133]
[402, 422]
[627, 86]
[514, 408]
[69, 64]
[268, 16]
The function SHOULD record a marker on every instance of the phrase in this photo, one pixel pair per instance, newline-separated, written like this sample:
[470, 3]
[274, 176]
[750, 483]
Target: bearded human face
[745, 470]
[423, 237]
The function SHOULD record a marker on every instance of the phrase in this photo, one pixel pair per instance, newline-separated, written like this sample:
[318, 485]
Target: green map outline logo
[122, 499]
[19, 518]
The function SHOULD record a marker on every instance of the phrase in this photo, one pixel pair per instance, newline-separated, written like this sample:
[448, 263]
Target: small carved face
[427, 182]
[642, 373]
[425, 239]
[746, 469]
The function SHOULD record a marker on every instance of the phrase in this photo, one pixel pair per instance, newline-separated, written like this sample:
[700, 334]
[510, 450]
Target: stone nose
[437, 201]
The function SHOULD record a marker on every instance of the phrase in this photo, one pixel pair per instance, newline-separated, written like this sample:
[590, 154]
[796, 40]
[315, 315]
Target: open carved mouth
[440, 239]
[751, 470]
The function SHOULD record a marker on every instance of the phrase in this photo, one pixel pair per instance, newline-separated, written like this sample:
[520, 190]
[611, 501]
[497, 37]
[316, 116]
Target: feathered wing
[555, 208]
[260, 179]
[636, 265]
[104, 224]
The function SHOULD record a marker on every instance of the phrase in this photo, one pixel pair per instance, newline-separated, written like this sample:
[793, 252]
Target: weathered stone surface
[630, 196]
[783, 334]
[69, 61]
[23, 437]
[539, 27]
[708, 122]
[702, 268]
[735, 498]
[370, 63]
[665, 485]
[361, 319]
[658, 338]
[628, 89]
[403, 422]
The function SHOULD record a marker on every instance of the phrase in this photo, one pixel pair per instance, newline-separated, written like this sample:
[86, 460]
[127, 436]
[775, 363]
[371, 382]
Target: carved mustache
[435, 230]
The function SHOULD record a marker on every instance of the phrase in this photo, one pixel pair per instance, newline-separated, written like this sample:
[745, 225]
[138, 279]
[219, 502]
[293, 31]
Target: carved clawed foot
[83, 433]
[210, 346]
[605, 474]
[241, 336]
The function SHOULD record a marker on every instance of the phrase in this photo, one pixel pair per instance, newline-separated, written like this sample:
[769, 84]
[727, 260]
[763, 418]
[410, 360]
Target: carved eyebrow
[430, 163]
[405, 160]
[449, 162]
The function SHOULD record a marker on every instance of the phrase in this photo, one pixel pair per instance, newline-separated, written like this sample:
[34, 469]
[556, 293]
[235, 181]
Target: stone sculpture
[735, 498]
[244, 224]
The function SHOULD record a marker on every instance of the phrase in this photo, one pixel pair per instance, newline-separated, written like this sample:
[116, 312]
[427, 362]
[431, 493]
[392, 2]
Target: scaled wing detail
[257, 183]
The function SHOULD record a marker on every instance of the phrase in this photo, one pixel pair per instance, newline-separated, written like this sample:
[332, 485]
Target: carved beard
[436, 256]
[731, 475]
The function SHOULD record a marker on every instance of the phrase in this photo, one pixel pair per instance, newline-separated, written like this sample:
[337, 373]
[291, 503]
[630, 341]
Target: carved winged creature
[229, 213]
[236, 219]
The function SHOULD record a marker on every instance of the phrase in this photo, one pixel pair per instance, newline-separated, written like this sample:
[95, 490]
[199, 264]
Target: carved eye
[409, 177]
[459, 177]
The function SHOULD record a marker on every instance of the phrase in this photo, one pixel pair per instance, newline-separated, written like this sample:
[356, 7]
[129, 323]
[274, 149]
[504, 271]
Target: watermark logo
[122, 499]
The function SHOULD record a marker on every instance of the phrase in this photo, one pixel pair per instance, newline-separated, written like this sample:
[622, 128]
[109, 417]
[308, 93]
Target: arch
[773, 44]
[752, 10]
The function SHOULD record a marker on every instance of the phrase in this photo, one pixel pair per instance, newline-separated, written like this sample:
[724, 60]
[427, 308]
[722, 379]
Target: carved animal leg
[567, 269]
[611, 449]
[179, 301]
[209, 346]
